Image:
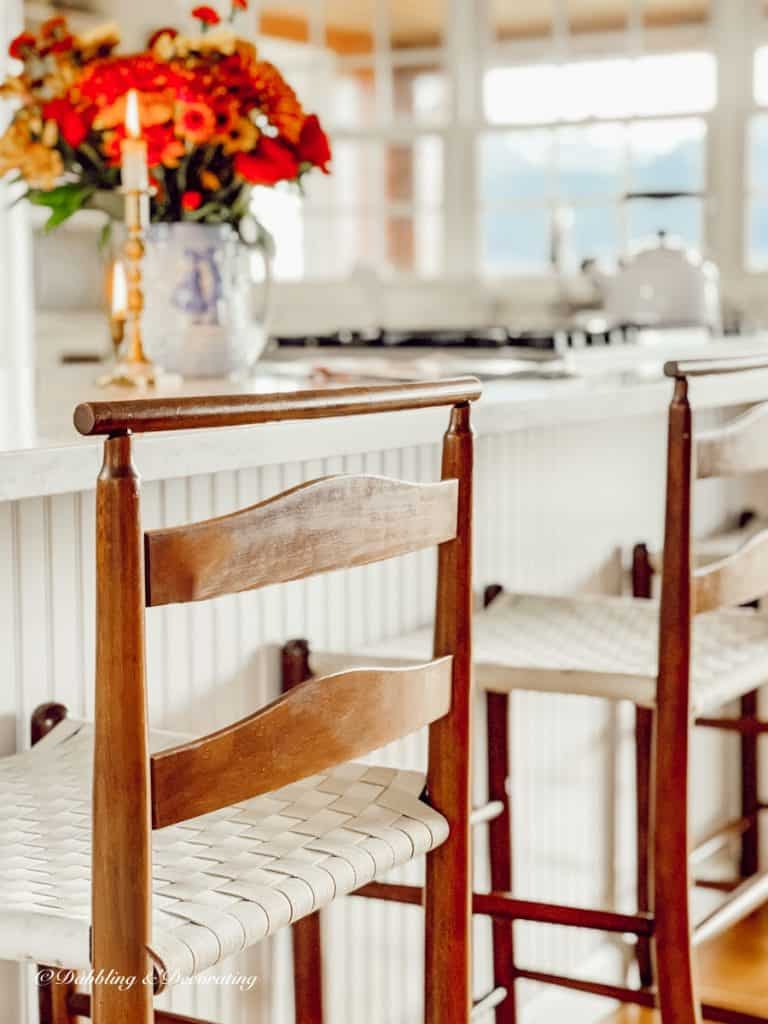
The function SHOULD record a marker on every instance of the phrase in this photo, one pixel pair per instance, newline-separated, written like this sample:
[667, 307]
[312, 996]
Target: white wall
[549, 515]
[16, 303]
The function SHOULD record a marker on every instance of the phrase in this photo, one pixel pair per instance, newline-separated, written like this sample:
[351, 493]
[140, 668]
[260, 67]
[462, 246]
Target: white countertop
[41, 453]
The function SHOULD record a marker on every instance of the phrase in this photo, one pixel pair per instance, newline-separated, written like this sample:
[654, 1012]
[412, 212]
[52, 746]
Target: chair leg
[749, 860]
[500, 850]
[643, 754]
[306, 935]
[448, 926]
[642, 586]
[54, 990]
[674, 958]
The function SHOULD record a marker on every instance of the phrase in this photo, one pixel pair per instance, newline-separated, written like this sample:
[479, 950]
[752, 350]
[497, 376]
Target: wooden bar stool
[646, 566]
[681, 660]
[202, 847]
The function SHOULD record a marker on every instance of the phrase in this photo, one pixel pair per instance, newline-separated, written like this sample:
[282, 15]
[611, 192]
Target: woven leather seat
[595, 646]
[223, 881]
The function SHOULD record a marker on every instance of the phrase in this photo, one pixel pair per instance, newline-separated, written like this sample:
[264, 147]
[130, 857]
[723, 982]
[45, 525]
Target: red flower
[71, 122]
[191, 201]
[63, 45]
[23, 44]
[314, 147]
[240, 5]
[195, 122]
[53, 26]
[206, 14]
[170, 32]
[105, 81]
[270, 163]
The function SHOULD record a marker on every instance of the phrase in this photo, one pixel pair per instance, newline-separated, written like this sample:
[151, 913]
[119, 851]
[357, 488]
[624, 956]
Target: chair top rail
[680, 368]
[169, 413]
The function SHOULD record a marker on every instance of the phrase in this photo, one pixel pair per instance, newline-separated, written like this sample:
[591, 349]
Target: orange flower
[210, 181]
[279, 101]
[242, 137]
[171, 153]
[14, 145]
[195, 122]
[41, 167]
[154, 108]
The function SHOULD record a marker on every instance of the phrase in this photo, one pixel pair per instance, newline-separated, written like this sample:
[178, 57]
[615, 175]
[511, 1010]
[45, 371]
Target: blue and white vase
[206, 297]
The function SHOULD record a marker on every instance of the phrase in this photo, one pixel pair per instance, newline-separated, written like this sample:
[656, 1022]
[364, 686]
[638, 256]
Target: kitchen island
[570, 472]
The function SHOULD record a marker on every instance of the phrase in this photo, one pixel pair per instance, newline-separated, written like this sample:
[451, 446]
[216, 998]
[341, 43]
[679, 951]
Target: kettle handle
[662, 194]
[256, 238]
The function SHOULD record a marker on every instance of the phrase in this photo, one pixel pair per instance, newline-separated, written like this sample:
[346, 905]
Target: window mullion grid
[734, 49]
[316, 17]
[382, 57]
[465, 35]
[635, 31]
[561, 31]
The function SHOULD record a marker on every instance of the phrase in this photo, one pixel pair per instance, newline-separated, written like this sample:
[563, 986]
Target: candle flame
[119, 291]
[132, 119]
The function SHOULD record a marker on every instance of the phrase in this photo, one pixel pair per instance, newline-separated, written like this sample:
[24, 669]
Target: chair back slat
[317, 725]
[738, 579]
[739, 447]
[332, 523]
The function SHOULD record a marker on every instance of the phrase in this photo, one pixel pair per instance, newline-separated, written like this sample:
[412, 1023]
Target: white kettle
[662, 284]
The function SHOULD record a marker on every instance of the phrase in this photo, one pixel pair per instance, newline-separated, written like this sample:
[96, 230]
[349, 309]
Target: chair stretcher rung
[485, 813]
[503, 906]
[739, 904]
[638, 997]
[719, 837]
[488, 1003]
[79, 1005]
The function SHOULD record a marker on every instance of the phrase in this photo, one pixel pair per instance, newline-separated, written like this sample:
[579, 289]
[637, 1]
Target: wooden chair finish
[320, 722]
[668, 979]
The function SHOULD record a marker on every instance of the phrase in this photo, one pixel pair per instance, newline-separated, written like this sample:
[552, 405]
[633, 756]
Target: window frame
[734, 30]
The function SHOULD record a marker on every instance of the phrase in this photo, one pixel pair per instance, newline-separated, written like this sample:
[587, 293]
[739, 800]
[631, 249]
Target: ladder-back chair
[682, 659]
[202, 848]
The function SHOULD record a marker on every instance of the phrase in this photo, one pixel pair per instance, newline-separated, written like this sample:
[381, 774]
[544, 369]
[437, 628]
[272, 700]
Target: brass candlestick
[133, 367]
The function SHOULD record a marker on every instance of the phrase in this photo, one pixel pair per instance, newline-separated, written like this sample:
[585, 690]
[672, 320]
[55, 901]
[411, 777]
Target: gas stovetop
[500, 339]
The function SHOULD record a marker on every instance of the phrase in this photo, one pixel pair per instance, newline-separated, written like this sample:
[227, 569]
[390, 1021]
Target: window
[602, 131]
[756, 235]
[577, 103]
[531, 19]
[374, 71]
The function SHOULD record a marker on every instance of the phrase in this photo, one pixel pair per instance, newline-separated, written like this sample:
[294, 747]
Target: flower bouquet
[216, 121]
[216, 118]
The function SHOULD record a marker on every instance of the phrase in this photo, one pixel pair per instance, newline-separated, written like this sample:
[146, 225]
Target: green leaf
[202, 213]
[105, 235]
[63, 202]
